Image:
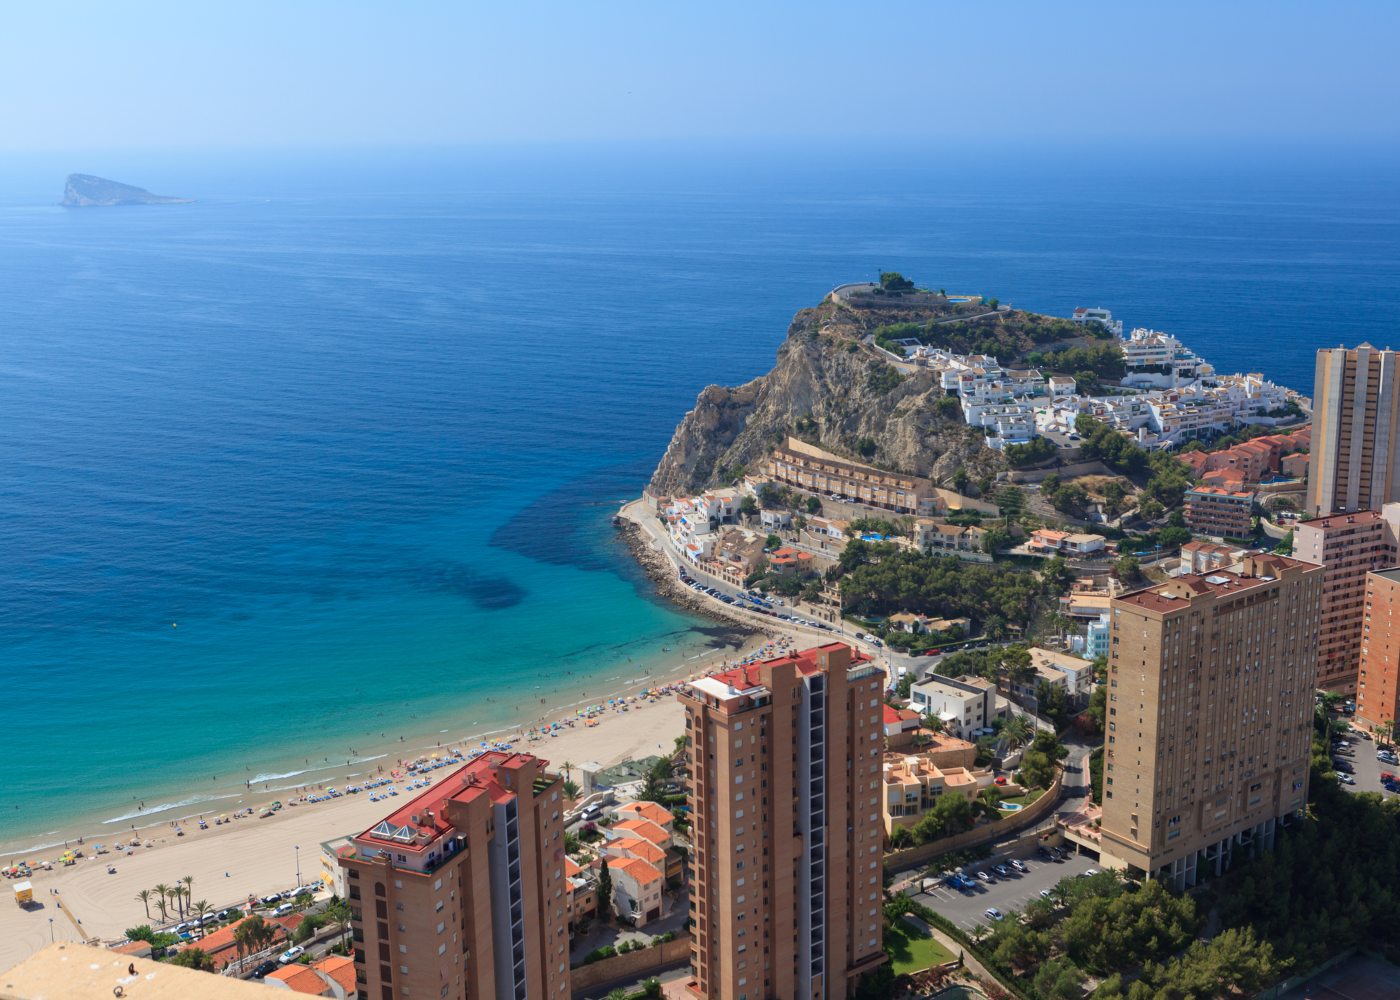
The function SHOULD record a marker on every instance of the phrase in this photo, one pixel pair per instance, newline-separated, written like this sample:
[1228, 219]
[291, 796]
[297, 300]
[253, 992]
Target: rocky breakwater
[663, 575]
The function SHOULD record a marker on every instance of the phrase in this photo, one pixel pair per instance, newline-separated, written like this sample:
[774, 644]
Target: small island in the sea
[87, 191]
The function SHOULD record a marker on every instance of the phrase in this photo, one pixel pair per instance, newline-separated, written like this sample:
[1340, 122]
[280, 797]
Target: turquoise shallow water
[358, 431]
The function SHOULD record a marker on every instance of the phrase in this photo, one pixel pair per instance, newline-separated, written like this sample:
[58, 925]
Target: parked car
[1091, 873]
[1002, 871]
[1046, 894]
[992, 913]
[283, 910]
[1019, 865]
[275, 897]
[291, 954]
[1342, 767]
[1346, 779]
[1001, 779]
[263, 969]
[984, 877]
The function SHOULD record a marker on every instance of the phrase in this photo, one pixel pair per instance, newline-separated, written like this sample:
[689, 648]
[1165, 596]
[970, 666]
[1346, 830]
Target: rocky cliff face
[834, 390]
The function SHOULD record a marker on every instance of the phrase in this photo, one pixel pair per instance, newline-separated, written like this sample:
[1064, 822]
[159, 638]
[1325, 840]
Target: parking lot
[1366, 769]
[967, 908]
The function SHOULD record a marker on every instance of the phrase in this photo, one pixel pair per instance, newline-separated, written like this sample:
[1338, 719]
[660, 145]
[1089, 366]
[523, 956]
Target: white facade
[1097, 639]
[962, 707]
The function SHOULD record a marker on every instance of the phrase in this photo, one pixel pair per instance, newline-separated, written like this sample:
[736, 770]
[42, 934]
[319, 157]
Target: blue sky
[307, 73]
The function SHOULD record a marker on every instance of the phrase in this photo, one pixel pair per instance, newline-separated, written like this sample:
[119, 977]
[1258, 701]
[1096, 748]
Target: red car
[1001, 780]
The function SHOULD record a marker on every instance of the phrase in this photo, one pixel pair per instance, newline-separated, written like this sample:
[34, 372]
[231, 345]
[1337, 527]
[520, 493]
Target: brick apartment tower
[460, 892]
[1210, 715]
[1355, 459]
[1347, 547]
[784, 788]
[1378, 695]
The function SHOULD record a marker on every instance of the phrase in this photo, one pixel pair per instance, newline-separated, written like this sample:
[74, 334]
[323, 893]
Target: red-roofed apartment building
[1210, 716]
[1347, 547]
[786, 831]
[461, 893]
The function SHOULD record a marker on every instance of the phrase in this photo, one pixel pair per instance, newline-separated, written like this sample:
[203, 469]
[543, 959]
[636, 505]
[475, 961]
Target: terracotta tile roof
[636, 847]
[473, 779]
[641, 872]
[300, 979]
[651, 832]
[748, 675]
[341, 969]
[652, 811]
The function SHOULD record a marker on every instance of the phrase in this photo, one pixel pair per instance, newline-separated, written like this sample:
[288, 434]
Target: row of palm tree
[167, 897]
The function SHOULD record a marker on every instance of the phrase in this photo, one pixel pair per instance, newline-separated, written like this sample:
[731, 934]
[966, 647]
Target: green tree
[748, 506]
[193, 958]
[893, 281]
[1037, 770]
[199, 910]
[1128, 570]
[145, 898]
[162, 892]
[1098, 707]
[773, 542]
[813, 505]
[1058, 979]
[1019, 730]
[605, 890]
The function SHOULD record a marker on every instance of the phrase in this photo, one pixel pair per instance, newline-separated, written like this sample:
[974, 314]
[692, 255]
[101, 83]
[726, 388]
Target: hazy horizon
[157, 75]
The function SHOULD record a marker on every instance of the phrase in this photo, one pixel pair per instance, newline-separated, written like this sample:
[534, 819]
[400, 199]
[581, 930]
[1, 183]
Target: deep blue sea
[331, 453]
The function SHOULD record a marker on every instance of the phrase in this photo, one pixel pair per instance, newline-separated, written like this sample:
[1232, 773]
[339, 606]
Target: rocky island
[87, 191]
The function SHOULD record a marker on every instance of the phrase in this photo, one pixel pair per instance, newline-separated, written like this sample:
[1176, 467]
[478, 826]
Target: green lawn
[1026, 799]
[911, 953]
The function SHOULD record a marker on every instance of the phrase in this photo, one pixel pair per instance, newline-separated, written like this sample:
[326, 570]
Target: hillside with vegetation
[834, 388]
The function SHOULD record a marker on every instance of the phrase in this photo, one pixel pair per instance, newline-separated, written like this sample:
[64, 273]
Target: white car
[291, 955]
[993, 913]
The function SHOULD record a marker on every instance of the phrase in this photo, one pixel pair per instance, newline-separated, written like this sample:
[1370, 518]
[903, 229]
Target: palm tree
[988, 802]
[567, 767]
[1019, 730]
[162, 897]
[189, 884]
[177, 897]
[145, 897]
[198, 910]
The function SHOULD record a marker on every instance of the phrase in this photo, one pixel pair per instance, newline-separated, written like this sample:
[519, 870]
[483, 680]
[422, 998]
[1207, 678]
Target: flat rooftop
[1179, 592]
[67, 969]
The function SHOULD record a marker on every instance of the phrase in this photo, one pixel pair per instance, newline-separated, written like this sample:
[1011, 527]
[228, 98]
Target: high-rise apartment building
[784, 788]
[1378, 693]
[1210, 709]
[1347, 547]
[460, 892]
[1355, 460]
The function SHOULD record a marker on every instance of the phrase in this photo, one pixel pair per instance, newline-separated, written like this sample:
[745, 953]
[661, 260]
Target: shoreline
[188, 803]
[253, 855]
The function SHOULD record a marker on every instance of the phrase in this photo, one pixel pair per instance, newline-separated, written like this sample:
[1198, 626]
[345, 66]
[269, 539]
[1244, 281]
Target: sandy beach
[253, 856]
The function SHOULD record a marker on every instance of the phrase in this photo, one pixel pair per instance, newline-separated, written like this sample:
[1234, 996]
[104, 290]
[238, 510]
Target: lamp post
[50, 930]
[297, 849]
